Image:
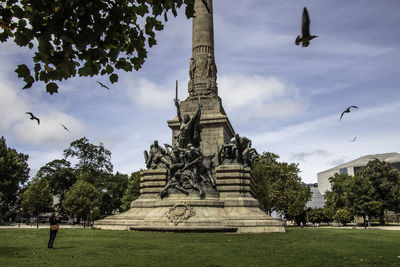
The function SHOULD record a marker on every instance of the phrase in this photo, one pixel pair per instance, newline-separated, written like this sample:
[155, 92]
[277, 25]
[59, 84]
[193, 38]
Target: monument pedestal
[234, 210]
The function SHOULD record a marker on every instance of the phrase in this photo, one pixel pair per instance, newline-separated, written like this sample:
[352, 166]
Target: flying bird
[33, 117]
[305, 30]
[347, 111]
[102, 85]
[354, 139]
[65, 127]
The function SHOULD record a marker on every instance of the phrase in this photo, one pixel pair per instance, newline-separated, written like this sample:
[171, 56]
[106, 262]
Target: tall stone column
[203, 70]
[203, 83]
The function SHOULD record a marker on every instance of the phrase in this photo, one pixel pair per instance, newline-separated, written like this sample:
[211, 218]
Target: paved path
[396, 228]
[23, 225]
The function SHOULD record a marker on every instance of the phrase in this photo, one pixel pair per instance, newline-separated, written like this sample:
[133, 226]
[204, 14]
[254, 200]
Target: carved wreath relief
[180, 212]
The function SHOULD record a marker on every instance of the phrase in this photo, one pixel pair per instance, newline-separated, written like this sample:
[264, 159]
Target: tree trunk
[365, 222]
[382, 217]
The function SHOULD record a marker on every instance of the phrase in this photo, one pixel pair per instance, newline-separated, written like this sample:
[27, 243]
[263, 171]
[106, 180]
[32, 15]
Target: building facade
[352, 167]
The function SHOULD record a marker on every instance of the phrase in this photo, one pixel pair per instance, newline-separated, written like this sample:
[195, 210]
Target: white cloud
[302, 156]
[50, 131]
[259, 97]
[149, 94]
[322, 143]
[14, 103]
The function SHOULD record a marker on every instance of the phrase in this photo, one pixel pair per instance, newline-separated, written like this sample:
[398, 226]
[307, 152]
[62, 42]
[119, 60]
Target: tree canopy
[84, 37]
[81, 200]
[59, 174]
[37, 198]
[336, 198]
[91, 158]
[374, 189]
[385, 181]
[279, 186]
[112, 192]
[132, 191]
[14, 172]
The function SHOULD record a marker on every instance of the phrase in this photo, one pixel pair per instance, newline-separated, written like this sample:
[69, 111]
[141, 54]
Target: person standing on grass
[54, 225]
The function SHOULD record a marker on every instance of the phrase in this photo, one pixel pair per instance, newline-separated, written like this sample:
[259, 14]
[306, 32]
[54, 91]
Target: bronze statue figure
[156, 157]
[237, 151]
[190, 128]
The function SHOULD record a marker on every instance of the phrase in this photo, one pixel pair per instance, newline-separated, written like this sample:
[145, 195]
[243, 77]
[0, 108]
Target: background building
[317, 200]
[353, 167]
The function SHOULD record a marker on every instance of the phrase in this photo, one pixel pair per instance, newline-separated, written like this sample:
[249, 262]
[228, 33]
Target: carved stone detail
[180, 212]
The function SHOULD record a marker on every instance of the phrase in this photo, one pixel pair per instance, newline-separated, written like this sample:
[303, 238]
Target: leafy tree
[86, 37]
[279, 187]
[81, 200]
[14, 172]
[60, 176]
[94, 166]
[329, 212]
[112, 193]
[362, 198]
[337, 198]
[343, 216]
[132, 192]
[37, 198]
[316, 215]
[91, 158]
[386, 182]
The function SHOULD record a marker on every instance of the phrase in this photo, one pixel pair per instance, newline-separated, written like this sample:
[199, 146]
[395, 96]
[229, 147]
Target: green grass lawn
[298, 247]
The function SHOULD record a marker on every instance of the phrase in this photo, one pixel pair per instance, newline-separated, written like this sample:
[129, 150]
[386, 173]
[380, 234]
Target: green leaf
[109, 69]
[113, 78]
[152, 41]
[142, 10]
[27, 85]
[22, 71]
[52, 88]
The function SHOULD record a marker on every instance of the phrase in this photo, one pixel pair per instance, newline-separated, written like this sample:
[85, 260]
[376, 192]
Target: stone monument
[203, 180]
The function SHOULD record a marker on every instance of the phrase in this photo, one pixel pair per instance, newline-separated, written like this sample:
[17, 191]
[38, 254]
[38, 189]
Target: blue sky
[286, 98]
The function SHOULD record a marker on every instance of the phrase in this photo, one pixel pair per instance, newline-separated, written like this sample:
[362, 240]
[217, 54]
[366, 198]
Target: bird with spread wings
[33, 117]
[305, 30]
[347, 111]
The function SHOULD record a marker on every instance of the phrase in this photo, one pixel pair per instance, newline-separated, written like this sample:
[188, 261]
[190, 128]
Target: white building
[353, 166]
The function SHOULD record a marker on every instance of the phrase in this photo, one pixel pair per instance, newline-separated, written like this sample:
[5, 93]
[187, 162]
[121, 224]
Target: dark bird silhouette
[102, 85]
[33, 117]
[347, 111]
[354, 139]
[305, 30]
[65, 127]
[206, 5]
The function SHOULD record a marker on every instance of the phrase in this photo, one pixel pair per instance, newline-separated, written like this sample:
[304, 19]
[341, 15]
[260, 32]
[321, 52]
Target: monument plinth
[203, 180]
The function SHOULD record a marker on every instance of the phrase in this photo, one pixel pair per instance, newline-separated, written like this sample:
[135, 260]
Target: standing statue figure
[190, 128]
[192, 68]
[156, 157]
[211, 68]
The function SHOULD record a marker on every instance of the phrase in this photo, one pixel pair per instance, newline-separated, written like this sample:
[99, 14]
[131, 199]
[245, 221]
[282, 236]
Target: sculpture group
[188, 170]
